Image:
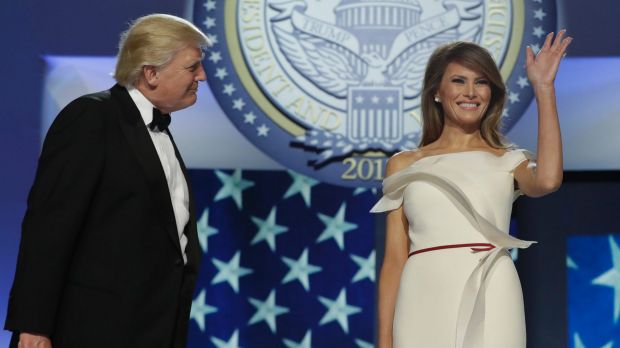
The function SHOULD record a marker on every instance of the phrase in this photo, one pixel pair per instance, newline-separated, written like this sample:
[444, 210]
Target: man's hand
[27, 340]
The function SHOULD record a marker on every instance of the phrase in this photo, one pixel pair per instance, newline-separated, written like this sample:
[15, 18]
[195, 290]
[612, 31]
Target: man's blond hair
[154, 40]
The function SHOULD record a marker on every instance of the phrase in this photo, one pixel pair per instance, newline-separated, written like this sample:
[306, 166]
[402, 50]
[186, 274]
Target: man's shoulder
[94, 103]
[90, 108]
[101, 97]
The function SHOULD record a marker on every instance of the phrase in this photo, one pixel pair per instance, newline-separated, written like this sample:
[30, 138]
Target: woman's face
[464, 95]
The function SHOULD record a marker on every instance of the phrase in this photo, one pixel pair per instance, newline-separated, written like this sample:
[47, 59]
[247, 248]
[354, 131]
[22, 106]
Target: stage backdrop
[287, 260]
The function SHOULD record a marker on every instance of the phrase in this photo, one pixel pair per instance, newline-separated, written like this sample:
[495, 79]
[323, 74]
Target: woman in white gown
[446, 279]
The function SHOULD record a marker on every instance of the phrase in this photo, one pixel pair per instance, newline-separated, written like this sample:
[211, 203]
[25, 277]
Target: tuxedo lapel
[141, 144]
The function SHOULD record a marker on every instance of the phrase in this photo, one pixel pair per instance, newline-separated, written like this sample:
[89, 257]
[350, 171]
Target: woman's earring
[437, 100]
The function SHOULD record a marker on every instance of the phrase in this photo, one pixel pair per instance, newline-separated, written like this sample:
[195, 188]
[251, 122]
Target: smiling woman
[464, 95]
[456, 66]
[446, 278]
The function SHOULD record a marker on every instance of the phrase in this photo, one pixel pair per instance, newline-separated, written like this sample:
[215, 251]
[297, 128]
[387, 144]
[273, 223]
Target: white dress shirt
[179, 194]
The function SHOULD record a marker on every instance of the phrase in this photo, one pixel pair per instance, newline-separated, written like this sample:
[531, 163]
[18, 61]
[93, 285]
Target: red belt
[475, 247]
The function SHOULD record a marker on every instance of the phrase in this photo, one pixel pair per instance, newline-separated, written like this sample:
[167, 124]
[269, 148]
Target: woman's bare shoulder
[402, 160]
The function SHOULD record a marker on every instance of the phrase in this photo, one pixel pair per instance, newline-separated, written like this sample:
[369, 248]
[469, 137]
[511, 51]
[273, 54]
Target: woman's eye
[482, 82]
[458, 80]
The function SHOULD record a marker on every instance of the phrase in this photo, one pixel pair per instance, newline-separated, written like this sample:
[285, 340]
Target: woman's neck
[458, 138]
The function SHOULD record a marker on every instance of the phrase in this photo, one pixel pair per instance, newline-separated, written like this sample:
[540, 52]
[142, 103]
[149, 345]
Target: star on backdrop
[213, 38]
[210, 5]
[233, 186]
[336, 226]
[209, 22]
[204, 230]
[238, 104]
[302, 185]
[538, 32]
[577, 343]
[300, 270]
[230, 272]
[593, 290]
[305, 342]
[263, 130]
[233, 342]
[570, 263]
[200, 309]
[221, 73]
[215, 56]
[513, 97]
[611, 278]
[367, 267]
[338, 310]
[522, 82]
[268, 229]
[229, 89]
[267, 311]
[360, 190]
[249, 117]
[539, 14]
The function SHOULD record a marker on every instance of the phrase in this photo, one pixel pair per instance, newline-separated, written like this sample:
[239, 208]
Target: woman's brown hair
[472, 57]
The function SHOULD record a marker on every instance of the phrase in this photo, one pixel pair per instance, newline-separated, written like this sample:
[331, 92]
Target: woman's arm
[541, 71]
[396, 253]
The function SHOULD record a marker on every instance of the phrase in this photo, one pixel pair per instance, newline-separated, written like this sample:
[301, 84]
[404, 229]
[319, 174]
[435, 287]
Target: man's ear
[151, 75]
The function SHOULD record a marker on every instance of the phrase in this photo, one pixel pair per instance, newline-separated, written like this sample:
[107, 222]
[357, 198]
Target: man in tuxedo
[109, 249]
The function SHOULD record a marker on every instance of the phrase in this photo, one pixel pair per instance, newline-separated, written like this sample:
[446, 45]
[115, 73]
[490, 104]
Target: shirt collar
[144, 105]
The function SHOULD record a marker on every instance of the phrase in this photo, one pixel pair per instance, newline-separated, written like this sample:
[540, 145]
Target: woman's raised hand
[542, 67]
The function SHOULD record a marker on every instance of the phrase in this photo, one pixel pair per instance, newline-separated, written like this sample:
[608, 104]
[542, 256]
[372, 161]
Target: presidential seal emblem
[331, 89]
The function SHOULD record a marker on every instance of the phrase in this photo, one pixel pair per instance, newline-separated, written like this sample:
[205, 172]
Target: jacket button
[179, 262]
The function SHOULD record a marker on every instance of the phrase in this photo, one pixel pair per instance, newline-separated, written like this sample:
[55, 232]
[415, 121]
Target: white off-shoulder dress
[460, 288]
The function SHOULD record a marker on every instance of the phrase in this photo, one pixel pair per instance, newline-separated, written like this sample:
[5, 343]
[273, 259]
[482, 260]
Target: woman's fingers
[558, 44]
[548, 41]
[558, 40]
[529, 56]
[565, 44]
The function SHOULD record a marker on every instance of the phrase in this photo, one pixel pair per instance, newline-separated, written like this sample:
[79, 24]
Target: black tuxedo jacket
[100, 263]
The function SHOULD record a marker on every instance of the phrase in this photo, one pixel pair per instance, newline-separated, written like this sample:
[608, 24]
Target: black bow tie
[160, 121]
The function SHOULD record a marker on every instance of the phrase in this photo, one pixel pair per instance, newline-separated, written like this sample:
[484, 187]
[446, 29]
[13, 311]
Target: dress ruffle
[470, 321]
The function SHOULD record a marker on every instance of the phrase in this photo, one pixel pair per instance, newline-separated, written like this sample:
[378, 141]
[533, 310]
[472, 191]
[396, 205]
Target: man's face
[177, 82]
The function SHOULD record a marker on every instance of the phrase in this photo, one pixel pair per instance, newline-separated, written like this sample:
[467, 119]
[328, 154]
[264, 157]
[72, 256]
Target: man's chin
[191, 100]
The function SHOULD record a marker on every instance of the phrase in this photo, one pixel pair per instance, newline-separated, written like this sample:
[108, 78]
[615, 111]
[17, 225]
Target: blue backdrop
[287, 262]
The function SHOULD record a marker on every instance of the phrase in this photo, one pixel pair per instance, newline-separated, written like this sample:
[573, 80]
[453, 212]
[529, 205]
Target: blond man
[109, 250]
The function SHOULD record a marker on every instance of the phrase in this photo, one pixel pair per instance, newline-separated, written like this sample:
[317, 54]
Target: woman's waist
[422, 239]
[475, 247]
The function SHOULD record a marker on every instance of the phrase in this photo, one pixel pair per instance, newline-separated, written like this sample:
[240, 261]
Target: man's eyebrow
[196, 63]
